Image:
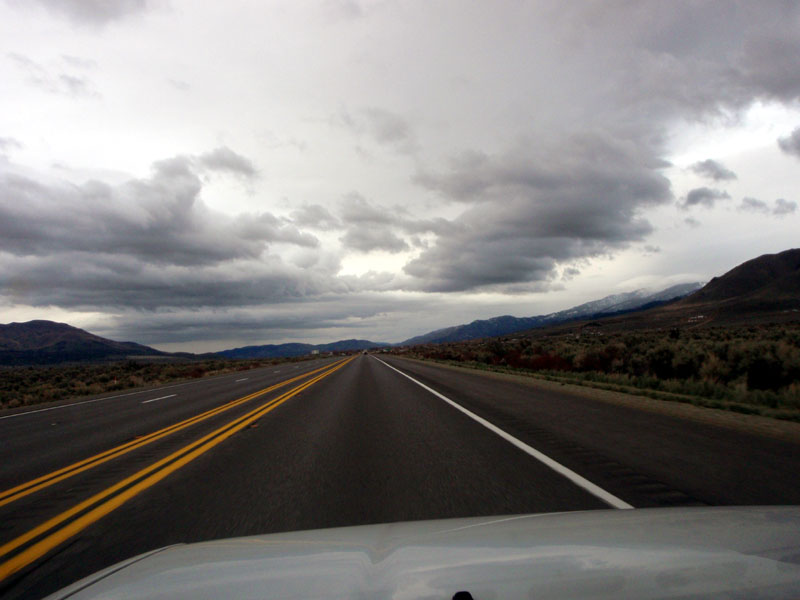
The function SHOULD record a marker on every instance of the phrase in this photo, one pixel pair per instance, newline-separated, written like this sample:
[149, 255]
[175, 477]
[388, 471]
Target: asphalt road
[46, 437]
[363, 444]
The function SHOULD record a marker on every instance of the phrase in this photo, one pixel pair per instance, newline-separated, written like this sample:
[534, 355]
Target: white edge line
[162, 398]
[581, 482]
[38, 410]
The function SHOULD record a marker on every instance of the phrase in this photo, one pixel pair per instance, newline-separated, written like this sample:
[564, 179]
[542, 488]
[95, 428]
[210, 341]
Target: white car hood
[648, 553]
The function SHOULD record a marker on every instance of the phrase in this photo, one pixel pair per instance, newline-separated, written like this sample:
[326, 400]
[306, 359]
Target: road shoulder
[754, 424]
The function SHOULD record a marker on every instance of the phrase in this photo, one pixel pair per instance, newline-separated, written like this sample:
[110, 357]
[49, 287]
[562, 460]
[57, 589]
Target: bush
[30, 385]
[756, 365]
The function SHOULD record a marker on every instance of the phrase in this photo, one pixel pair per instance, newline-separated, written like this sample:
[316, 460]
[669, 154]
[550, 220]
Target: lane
[565, 472]
[646, 458]
[40, 442]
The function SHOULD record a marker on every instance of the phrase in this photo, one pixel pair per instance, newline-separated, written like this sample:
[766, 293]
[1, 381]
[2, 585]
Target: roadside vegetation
[22, 386]
[753, 370]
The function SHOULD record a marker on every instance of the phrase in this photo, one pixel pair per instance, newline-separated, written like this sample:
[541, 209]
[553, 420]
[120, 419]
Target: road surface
[338, 442]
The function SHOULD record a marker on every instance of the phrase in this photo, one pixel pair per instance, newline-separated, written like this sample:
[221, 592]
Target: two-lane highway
[335, 443]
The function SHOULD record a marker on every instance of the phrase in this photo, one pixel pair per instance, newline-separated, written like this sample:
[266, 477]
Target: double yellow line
[44, 481]
[80, 516]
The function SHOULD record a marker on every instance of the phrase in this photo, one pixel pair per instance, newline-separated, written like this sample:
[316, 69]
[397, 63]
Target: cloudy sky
[202, 175]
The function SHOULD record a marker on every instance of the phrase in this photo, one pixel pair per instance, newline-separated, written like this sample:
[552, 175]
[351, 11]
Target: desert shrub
[30, 385]
[659, 360]
[754, 365]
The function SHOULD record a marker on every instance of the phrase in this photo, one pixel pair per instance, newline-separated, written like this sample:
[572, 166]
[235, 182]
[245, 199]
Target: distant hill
[476, 329]
[615, 304]
[46, 342]
[296, 349]
[770, 278]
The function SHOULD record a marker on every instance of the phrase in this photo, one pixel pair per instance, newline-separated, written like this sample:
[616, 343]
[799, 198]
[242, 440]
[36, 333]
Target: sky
[205, 175]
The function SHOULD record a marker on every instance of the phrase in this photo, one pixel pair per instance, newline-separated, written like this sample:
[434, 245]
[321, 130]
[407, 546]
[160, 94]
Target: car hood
[645, 553]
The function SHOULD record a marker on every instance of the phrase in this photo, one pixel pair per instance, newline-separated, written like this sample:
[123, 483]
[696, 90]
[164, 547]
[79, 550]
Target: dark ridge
[768, 277]
[46, 342]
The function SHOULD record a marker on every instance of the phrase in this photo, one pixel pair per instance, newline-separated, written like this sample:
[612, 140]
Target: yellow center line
[34, 485]
[155, 473]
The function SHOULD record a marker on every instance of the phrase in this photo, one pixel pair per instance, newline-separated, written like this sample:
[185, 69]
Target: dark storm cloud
[770, 59]
[353, 315]
[160, 220]
[253, 327]
[791, 143]
[372, 227]
[533, 210]
[640, 67]
[703, 196]
[152, 244]
[225, 159]
[94, 12]
[682, 57]
[87, 281]
[119, 283]
[713, 170]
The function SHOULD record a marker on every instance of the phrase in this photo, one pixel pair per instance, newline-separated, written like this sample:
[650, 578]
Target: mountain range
[767, 287]
[615, 304]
